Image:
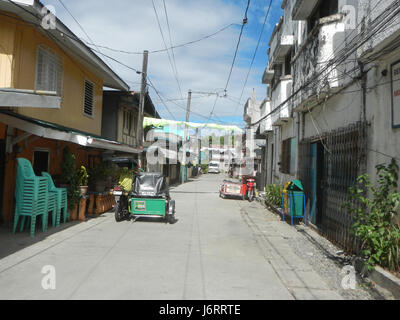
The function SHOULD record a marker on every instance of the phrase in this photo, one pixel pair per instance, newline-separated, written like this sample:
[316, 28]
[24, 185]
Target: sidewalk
[308, 264]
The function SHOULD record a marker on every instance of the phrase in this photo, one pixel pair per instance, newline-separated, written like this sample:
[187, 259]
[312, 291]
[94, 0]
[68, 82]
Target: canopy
[150, 185]
[147, 122]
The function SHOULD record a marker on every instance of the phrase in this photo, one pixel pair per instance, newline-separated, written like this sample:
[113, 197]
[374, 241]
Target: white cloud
[204, 66]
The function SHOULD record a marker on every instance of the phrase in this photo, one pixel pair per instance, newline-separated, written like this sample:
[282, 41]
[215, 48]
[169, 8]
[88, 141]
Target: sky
[203, 67]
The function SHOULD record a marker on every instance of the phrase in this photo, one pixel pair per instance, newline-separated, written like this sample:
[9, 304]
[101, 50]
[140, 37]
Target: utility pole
[184, 164]
[139, 129]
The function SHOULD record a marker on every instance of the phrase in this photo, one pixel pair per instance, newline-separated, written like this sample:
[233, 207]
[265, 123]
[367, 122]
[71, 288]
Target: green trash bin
[296, 195]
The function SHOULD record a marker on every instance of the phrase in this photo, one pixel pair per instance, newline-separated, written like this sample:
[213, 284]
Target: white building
[332, 110]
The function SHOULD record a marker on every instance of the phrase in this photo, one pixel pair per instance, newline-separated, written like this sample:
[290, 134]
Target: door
[272, 164]
[317, 155]
[2, 172]
[313, 183]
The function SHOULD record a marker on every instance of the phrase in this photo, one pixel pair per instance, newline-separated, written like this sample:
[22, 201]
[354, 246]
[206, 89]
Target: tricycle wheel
[121, 210]
[118, 212]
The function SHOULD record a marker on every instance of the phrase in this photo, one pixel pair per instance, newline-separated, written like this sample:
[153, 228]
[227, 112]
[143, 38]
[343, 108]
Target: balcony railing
[284, 45]
[268, 75]
[313, 69]
[280, 94]
[266, 124]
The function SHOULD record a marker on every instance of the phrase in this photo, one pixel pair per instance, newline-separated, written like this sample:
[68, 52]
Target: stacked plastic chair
[32, 197]
[61, 199]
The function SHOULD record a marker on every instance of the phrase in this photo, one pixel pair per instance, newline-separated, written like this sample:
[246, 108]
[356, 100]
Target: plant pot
[83, 190]
[82, 209]
[74, 213]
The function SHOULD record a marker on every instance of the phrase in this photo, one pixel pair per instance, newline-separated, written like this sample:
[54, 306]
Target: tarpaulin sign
[396, 94]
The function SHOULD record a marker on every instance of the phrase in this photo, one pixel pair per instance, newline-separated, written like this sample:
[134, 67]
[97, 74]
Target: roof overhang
[51, 131]
[11, 98]
[303, 9]
[30, 12]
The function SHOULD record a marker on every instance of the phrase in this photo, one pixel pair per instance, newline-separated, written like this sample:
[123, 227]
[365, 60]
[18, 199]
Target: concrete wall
[385, 140]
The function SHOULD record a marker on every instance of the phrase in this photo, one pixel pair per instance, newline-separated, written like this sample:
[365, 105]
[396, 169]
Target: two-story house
[51, 96]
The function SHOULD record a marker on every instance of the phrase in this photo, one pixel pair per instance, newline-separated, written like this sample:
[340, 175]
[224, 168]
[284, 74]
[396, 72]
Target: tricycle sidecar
[149, 198]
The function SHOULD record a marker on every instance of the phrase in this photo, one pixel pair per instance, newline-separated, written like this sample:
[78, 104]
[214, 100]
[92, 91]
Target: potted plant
[69, 177]
[99, 175]
[83, 180]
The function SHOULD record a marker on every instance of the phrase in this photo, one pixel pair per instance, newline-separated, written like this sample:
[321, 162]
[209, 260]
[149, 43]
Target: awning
[49, 130]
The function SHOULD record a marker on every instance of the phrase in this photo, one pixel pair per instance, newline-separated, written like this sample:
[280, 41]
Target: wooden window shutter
[88, 103]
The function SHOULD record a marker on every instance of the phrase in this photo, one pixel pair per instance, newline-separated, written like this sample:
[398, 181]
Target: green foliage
[374, 217]
[204, 168]
[273, 194]
[70, 176]
[83, 177]
[125, 178]
[100, 172]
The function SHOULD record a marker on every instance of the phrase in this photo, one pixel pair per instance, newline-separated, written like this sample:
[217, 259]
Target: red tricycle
[243, 189]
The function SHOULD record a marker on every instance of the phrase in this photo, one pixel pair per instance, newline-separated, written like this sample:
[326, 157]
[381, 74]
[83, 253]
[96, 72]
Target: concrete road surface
[218, 249]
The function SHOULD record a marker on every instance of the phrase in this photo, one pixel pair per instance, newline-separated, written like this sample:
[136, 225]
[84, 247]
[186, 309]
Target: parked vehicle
[213, 167]
[149, 198]
[233, 189]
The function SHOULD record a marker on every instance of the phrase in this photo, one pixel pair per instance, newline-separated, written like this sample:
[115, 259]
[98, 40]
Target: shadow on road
[11, 243]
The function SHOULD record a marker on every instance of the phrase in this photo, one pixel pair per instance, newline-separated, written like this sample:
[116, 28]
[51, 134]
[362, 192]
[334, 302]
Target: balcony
[279, 95]
[266, 124]
[268, 75]
[29, 99]
[303, 9]
[312, 61]
[282, 49]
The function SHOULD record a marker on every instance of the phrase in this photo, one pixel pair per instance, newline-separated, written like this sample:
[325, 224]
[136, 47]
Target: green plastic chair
[32, 196]
[61, 196]
[52, 207]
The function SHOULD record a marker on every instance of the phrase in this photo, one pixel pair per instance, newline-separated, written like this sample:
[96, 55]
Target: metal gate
[345, 158]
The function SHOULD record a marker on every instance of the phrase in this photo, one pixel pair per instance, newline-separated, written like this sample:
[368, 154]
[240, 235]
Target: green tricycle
[149, 198]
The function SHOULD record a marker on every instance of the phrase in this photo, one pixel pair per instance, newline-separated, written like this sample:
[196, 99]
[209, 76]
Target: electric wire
[254, 55]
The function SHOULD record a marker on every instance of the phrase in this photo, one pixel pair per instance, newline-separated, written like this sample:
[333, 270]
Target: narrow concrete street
[218, 249]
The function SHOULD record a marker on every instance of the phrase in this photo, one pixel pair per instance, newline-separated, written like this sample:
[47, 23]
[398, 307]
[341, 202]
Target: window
[49, 71]
[288, 65]
[127, 122]
[288, 156]
[40, 161]
[88, 99]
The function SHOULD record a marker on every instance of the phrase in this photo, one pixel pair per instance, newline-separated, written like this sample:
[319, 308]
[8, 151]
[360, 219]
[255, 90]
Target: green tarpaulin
[148, 122]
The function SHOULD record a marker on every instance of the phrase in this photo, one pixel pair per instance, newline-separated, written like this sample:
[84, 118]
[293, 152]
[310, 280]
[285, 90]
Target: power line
[338, 60]
[174, 71]
[234, 57]
[169, 48]
[170, 41]
[238, 43]
[254, 55]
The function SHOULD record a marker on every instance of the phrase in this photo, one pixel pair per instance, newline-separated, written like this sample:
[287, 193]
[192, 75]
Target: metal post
[183, 165]
[139, 129]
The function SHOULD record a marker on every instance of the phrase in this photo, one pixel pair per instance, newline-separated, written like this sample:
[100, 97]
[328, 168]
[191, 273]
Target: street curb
[382, 278]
